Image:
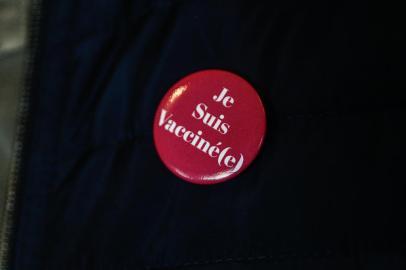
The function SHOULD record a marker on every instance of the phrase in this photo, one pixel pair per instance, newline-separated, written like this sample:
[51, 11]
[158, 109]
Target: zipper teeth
[34, 20]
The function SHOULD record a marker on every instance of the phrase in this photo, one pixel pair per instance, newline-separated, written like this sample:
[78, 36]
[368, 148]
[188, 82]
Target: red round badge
[209, 127]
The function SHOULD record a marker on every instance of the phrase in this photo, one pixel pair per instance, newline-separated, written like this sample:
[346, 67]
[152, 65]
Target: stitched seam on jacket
[251, 259]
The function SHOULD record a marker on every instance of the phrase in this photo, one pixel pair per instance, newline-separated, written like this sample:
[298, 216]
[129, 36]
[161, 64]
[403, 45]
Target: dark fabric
[326, 192]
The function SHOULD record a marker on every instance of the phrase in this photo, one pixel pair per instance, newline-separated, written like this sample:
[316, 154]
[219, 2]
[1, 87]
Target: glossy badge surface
[209, 127]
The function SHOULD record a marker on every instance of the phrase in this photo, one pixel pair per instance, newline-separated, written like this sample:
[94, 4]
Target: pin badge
[209, 127]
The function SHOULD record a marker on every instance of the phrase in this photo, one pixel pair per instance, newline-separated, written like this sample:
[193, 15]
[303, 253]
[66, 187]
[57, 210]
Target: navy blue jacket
[327, 190]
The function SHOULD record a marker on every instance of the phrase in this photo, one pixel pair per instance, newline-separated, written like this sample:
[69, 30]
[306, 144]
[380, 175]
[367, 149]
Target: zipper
[7, 226]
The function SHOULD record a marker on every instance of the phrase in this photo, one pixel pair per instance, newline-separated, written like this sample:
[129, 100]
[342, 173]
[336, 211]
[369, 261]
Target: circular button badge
[209, 127]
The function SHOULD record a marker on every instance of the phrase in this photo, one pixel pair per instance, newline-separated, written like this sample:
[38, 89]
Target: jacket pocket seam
[279, 258]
